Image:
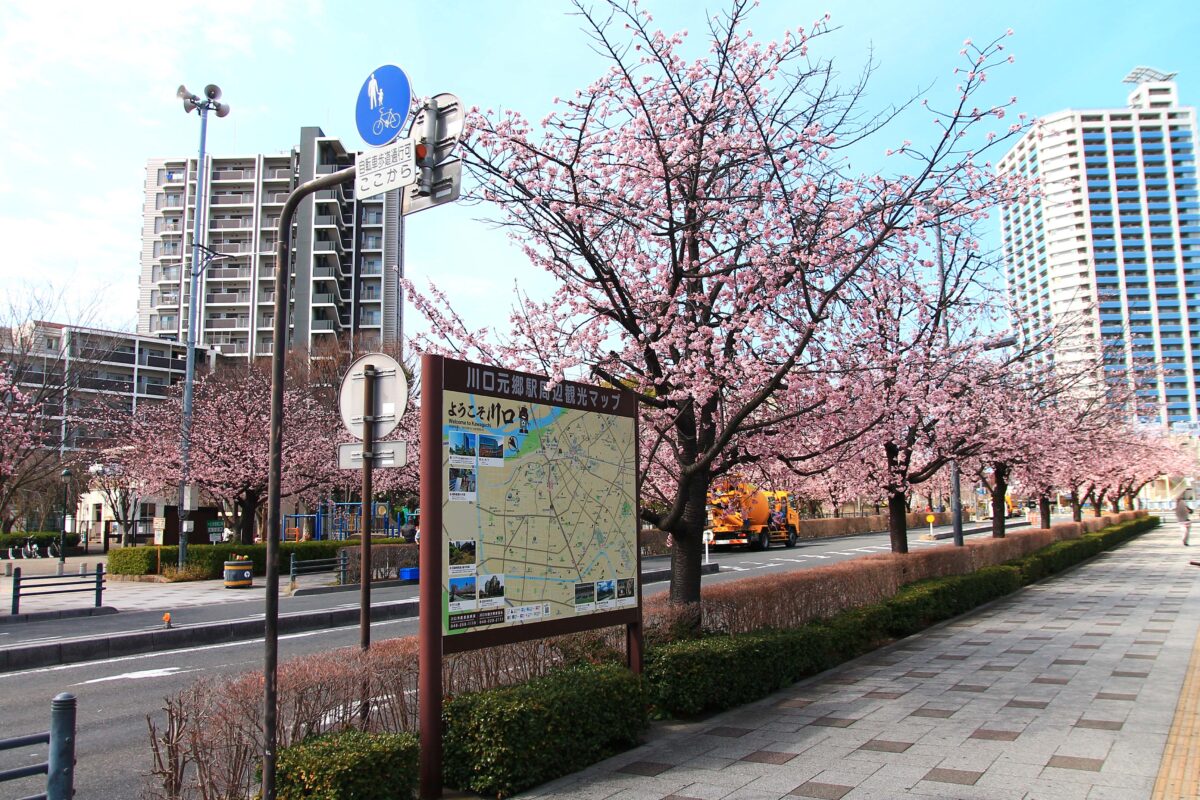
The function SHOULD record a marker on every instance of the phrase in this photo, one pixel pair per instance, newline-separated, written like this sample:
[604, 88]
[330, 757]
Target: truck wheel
[791, 540]
[764, 540]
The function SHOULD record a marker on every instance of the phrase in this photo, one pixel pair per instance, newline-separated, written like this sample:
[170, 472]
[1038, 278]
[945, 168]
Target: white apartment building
[1110, 251]
[345, 263]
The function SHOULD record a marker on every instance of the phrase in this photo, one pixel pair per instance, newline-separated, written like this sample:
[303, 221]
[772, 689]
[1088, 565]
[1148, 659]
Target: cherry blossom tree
[703, 224]
[230, 444]
[21, 436]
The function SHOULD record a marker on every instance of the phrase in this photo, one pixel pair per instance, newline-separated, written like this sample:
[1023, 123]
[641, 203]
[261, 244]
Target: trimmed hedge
[42, 538]
[210, 558]
[500, 741]
[349, 764]
[716, 672]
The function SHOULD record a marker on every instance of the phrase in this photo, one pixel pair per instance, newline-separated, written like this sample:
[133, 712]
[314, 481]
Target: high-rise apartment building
[1110, 251]
[345, 260]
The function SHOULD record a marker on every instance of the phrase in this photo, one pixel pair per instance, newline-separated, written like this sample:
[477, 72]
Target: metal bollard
[60, 566]
[99, 585]
[83, 569]
[16, 592]
[8, 569]
[60, 777]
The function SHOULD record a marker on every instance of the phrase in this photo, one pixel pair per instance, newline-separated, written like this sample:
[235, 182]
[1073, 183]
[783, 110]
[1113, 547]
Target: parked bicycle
[26, 549]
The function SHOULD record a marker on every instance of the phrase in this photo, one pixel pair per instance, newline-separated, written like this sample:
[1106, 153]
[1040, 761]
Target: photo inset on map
[462, 447]
[626, 592]
[491, 591]
[462, 593]
[585, 597]
[606, 594]
[462, 557]
[491, 451]
[462, 484]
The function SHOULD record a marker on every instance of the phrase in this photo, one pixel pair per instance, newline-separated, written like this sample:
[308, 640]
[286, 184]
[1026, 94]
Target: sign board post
[372, 398]
[216, 529]
[529, 522]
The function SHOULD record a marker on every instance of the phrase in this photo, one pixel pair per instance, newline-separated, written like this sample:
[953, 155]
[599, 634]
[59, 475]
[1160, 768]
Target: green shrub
[208, 560]
[349, 765]
[708, 674]
[133, 560]
[500, 741]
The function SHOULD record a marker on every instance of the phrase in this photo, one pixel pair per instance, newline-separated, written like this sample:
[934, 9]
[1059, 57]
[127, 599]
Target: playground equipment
[340, 521]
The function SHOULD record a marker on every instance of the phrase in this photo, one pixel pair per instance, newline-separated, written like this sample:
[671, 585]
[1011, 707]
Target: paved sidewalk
[1067, 689]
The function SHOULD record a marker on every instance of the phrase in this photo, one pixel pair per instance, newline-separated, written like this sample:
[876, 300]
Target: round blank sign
[391, 395]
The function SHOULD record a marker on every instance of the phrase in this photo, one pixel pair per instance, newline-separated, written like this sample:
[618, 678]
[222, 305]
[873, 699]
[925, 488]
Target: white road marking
[145, 673]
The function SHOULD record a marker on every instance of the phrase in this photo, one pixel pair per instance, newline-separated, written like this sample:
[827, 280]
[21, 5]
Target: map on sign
[539, 508]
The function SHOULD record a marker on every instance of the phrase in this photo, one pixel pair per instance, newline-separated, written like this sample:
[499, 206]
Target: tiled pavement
[1065, 690]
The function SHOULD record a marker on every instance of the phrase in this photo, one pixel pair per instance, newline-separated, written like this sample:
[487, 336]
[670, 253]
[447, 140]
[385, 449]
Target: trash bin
[239, 574]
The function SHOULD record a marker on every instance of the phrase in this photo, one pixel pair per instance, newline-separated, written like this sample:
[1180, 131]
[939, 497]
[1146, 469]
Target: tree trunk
[1116, 504]
[1129, 501]
[688, 549]
[126, 534]
[999, 492]
[248, 504]
[898, 521]
[1044, 510]
[1076, 507]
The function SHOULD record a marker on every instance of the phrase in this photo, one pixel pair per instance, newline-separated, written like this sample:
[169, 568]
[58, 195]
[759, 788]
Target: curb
[67, 613]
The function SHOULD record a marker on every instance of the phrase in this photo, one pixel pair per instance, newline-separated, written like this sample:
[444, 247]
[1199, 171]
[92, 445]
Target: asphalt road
[115, 695]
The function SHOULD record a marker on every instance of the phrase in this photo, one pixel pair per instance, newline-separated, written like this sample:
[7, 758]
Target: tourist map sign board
[539, 511]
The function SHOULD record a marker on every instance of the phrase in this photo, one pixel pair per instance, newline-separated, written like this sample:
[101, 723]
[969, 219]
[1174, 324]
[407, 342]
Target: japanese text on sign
[385, 169]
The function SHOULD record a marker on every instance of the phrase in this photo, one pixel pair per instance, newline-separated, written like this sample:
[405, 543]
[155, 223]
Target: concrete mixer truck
[740, 513]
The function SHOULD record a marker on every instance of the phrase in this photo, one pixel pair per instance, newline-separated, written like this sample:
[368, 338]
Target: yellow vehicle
[740, 513]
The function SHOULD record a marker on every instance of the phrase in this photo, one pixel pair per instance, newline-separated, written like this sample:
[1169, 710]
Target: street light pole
[202, 106]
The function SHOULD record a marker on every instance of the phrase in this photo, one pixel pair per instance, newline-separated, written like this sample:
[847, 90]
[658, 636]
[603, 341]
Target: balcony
[228, 248]
[233, 175]
[242, 222]
[227, 324]
[266, 297]
[106, 385]
[324, 299]
[319, 325]
[275, 198]
[228, 273]
[111, 356]
[324, 272]
[277, 174]
[162, 362]
[153, 389]
[233, 199]
[227, 297]
[329, 246]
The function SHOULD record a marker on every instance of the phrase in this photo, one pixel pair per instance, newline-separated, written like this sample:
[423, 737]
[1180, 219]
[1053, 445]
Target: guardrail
[339, 563]
[34, 585]
[59, 766]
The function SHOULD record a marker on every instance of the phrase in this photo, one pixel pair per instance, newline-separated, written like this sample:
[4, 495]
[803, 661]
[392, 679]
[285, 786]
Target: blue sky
[87, 95]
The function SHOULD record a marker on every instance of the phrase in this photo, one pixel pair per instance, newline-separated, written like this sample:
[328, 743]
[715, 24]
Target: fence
[34, 585]
[314, 565]
[59, 766]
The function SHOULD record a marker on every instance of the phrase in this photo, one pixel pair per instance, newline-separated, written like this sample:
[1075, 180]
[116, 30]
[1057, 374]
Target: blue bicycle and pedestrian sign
[383, 105]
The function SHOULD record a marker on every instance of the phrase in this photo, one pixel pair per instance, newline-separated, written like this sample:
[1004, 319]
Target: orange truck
[740, 513]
